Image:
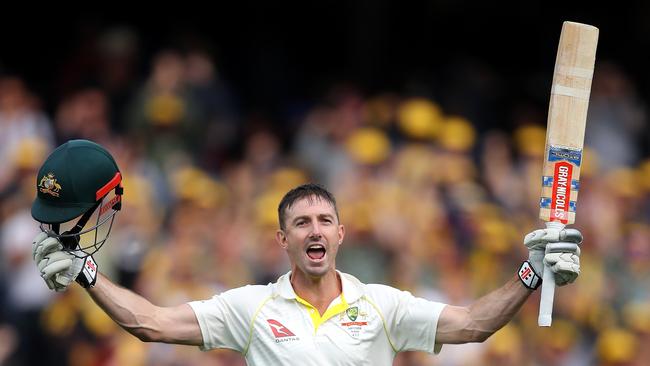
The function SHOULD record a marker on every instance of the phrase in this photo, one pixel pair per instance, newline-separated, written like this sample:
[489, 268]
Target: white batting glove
[564, 260]
[58, 268]
[559, 249]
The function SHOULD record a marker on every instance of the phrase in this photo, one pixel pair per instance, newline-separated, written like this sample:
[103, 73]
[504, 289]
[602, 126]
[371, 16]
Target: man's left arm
[475, 323]
[557, 248]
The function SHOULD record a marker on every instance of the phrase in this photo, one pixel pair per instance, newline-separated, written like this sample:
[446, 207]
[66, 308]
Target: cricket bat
[565, 132]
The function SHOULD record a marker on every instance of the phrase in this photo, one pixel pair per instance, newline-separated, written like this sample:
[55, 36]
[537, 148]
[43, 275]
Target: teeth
[316, 246]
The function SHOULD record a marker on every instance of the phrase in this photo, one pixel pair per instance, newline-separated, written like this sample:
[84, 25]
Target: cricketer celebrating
[313, 315]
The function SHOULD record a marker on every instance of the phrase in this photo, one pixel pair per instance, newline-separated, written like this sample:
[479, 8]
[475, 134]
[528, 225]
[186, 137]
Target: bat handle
[548, 288]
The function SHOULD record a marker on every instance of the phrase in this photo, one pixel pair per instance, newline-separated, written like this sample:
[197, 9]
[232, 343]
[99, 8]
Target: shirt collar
[352, 287]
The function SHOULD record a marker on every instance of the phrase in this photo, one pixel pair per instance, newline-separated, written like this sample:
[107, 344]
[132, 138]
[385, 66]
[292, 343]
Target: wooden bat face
[567, 116]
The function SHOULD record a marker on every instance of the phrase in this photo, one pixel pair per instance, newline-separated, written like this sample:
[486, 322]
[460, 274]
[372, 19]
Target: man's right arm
[134, 313]
[148, 322]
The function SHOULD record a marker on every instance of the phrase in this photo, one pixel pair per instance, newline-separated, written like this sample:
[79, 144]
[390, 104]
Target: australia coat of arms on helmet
[49, 185]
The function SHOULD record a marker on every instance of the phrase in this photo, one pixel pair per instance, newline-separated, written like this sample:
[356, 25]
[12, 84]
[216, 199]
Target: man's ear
[341, 233]
[281, 238]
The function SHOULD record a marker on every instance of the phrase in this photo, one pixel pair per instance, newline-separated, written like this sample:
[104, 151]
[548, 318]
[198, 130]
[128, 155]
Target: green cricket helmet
[74, 181]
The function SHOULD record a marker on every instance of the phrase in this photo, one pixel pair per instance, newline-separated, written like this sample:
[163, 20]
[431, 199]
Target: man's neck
[318, 291]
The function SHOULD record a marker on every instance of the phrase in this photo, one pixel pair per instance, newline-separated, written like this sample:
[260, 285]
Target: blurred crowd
[433, 202]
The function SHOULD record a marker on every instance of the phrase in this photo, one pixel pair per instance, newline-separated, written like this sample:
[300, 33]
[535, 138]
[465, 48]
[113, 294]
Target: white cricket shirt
[270, 325]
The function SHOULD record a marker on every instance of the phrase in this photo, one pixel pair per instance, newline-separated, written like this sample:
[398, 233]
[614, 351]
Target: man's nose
[315, 230]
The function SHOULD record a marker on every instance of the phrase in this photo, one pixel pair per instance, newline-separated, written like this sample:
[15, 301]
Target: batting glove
[557, 248]
[58, 267]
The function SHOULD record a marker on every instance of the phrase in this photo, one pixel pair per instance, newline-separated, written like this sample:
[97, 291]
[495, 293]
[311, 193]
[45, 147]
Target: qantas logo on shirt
[281, 333]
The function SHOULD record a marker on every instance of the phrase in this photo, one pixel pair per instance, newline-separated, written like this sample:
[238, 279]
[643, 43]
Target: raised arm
[488, 314]
[475, 323]
[134, 313]
[148, 322]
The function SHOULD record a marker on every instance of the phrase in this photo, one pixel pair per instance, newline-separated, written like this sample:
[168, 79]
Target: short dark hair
[308, 190]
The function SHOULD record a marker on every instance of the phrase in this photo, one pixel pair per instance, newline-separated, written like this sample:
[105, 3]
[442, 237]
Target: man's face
[311, 237]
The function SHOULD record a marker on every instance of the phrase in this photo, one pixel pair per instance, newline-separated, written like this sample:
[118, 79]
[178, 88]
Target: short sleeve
[411, 321]
[226, 319]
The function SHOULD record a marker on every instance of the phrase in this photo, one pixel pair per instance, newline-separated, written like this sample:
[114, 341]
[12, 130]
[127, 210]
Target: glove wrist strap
[528, 277]
[88, 275]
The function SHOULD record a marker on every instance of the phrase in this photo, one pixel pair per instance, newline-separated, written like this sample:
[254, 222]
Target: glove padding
[557, 248]
[58, 268]
[564, 260]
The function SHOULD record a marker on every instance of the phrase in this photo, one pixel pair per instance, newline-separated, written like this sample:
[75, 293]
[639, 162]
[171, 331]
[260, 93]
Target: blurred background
[426, 119]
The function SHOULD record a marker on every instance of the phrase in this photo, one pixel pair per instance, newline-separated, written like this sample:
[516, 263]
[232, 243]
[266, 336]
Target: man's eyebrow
[299, 218]
[306, 217]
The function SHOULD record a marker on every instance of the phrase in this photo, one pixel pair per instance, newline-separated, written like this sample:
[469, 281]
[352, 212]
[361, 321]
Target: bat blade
[567, 117]
[565, 132]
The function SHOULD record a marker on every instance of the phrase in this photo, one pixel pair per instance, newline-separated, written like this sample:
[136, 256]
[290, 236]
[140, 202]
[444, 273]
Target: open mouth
[316, 252]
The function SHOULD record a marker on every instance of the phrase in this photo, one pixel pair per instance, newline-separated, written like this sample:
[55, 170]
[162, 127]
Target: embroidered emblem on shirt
[352, 313]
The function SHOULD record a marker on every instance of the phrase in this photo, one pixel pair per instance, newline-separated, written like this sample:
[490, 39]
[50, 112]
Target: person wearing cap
[313, 315]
